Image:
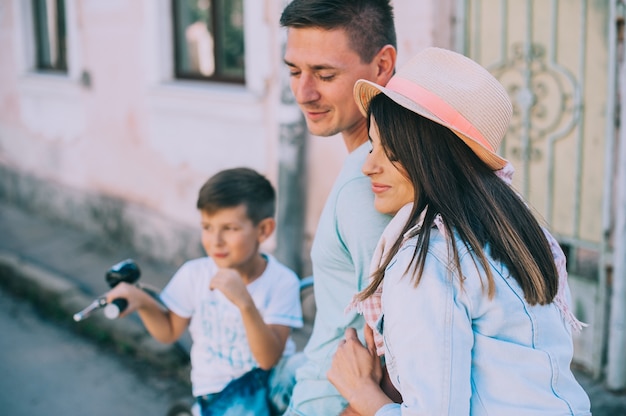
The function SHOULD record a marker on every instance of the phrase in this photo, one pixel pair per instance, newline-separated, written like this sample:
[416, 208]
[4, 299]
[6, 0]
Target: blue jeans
[246, 395]
[281, 381]
[256, 393]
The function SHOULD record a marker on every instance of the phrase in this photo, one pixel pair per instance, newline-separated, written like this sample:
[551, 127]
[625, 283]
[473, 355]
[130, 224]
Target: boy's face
[230, 237]
[323, 69]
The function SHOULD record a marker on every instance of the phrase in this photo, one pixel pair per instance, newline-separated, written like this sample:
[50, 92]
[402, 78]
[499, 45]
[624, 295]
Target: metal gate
[558, 60]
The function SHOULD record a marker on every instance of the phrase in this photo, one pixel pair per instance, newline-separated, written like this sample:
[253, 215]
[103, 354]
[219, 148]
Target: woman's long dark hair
[449, 179]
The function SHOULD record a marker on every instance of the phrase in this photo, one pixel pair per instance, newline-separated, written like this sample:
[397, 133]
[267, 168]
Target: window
[50, 38]
[209, 40]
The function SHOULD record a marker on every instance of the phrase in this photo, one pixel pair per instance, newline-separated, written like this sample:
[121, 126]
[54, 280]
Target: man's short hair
[368, 23]
[232, 187]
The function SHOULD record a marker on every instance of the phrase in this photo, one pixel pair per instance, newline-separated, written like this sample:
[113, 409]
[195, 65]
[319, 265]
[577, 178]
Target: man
[330, 45]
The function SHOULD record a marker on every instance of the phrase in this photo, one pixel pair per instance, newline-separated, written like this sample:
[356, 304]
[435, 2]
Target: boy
[238, 303]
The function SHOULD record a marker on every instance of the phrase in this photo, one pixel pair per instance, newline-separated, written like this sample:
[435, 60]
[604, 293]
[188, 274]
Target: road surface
[49, 370]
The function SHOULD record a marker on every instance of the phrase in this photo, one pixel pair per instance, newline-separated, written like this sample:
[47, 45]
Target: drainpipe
[616, 359]
[291, 177]
[291, 193]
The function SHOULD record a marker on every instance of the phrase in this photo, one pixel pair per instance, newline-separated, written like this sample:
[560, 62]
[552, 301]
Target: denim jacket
[450, 350]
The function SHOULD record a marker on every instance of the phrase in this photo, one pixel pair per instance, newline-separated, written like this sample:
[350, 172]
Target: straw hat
[454, 91]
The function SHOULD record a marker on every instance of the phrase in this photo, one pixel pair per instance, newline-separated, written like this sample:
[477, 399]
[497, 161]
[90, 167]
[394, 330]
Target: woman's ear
[265, 228]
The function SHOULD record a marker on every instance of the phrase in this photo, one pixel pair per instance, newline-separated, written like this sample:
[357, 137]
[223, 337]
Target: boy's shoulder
[277, 269]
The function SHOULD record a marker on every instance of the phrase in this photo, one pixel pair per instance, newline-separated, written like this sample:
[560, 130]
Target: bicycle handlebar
[124, 271]
[113, 309]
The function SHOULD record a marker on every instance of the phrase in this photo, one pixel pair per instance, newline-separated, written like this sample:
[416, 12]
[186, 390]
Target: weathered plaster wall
[118, 146]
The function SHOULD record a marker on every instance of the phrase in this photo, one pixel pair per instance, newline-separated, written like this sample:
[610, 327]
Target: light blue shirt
[347, 233]
[450, 350]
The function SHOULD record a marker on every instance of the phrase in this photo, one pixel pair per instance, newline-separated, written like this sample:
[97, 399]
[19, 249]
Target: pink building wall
[119, 146]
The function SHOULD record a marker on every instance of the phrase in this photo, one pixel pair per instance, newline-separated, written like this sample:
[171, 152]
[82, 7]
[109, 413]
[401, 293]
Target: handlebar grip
[113, 309]
[124, 271]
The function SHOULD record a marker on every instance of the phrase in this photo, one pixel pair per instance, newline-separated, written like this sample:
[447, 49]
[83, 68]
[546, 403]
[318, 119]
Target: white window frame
[58, 92]
[25, 43]
[209, 111]
[160, 51]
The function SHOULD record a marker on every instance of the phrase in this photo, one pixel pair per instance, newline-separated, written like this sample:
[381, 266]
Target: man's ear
[385, 64]
[265, 228]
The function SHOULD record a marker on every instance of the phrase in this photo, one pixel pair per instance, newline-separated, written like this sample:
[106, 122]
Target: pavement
[61, 269]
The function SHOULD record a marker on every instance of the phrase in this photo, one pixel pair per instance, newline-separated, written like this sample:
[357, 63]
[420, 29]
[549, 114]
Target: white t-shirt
[220, 350]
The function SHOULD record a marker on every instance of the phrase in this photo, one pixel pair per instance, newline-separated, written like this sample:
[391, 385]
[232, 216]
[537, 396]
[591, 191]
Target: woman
[467, 295]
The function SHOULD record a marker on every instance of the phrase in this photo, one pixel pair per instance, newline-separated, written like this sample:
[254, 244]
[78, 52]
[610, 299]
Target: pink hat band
[438, 107]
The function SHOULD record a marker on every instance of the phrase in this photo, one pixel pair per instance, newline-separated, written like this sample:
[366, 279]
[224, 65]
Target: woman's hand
[356, 372]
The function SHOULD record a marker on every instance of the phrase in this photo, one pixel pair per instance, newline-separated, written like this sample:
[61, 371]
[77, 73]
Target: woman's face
[390, 184]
